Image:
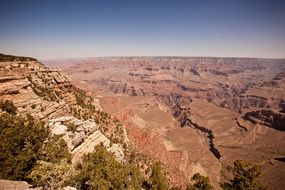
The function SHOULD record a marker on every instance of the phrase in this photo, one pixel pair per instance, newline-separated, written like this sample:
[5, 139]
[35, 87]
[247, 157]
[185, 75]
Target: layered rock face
[214, 110]
[35, 89]
[268, 118]
[82, 136]
[222, 81]
[50, 96]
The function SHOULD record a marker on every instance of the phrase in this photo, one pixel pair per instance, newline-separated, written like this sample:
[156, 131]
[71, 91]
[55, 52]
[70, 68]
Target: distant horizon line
[146, 56]
[162, 56]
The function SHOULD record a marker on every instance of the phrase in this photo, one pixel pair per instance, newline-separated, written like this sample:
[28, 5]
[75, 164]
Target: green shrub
[52, 175]
[100, 170]
[83, 100]
[19, 151]
[80, 97]
[158, 178]
[71, 127]
[245, 177]
[8, 106]
[53, 170]
[4, 57]
[45, 92]
[199, 183]
[54, 150]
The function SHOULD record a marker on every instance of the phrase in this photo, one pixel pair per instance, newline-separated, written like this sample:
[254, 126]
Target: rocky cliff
[48, 95]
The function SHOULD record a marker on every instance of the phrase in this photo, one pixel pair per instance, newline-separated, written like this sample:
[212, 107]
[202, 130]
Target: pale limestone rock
[8, 67]
[59, 129]
[15, 65]
[61, 119]
[15, 185]
[97, 104]
[74, 139]
[58, 78]
[88, 145]
[84, 138]
[13, 86]
[69, 188]
[117, 150]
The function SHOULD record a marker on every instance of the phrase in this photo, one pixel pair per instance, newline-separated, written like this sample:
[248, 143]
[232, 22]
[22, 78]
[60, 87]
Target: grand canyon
[142, 95]
[193, 114]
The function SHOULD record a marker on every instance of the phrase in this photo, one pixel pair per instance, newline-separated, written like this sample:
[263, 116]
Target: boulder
[59, 129]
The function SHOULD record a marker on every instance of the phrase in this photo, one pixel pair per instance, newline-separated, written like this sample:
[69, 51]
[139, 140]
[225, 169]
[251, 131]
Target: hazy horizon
[158, 56]
[225, 28]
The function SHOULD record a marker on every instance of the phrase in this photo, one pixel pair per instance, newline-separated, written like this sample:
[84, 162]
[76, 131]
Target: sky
[71, 29]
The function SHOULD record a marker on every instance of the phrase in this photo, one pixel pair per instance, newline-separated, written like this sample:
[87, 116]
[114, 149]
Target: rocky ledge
[81, 136]
[267, 118]
[69, 112]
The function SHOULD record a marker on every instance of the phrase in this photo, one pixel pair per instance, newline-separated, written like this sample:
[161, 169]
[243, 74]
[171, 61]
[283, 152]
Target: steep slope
[47, 94]
[30, 88]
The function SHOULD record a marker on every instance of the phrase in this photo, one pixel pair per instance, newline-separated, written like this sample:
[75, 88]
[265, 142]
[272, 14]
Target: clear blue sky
[65, 29]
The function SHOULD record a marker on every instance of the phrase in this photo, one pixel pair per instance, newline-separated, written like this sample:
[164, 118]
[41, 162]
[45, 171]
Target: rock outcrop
[82, 136]
[15, 185]
[35, 89]
[69, 112]
[267, 118]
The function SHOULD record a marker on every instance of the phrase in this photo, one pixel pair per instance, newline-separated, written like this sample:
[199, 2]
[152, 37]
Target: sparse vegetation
[45, 92]
[80, 96]
[50, 94]
[200, 182]
[83, 100]
[102, 117]
[71, 127]
[245, 177]
[8, 106]
[4, 57]
[76, 112]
